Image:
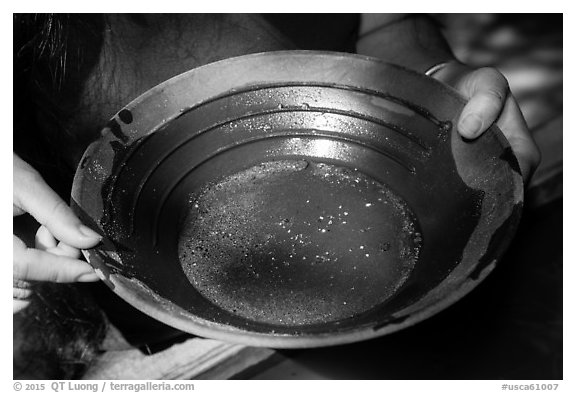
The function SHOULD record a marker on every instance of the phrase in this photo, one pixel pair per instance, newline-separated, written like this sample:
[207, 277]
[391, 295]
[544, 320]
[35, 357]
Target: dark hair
[53, 55]
[58, 336]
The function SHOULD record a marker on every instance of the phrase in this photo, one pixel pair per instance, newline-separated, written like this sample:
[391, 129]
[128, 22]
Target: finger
[514, 128]
[44, 239]
[487, 90]
[65, 250]
[36, 265]
[21, 293]
[19, 305]
[46, 242]
[33, 195]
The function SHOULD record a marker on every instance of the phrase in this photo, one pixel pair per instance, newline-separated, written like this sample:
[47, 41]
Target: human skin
[137, 56]
[415, 42]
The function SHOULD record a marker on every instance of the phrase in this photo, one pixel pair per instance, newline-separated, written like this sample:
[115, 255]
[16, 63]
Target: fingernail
[470, 125]
[89, 232]
[88, 277]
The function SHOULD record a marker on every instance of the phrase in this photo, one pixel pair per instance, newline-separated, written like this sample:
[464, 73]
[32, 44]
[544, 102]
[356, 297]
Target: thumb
[34, 196]
[487, 90]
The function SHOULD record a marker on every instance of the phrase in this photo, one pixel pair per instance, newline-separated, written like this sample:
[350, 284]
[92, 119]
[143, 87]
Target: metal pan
[296, 199]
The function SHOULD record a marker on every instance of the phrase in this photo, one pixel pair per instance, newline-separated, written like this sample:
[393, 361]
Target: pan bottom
[297, 242]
